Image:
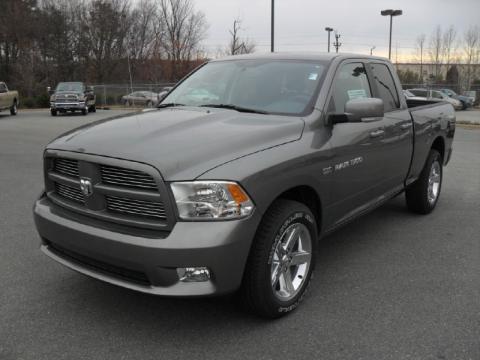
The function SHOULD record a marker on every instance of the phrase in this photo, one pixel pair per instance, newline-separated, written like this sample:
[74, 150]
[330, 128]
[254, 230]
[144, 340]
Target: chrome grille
[126, 177]
[136, 207]
[66, 167]
[69, 193]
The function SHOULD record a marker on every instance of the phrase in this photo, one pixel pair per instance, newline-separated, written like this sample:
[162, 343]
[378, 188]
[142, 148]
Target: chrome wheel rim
[434, 180]
[291, 261]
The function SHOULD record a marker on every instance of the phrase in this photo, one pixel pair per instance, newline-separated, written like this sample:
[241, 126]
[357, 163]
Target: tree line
[99, 41]
[446, 46]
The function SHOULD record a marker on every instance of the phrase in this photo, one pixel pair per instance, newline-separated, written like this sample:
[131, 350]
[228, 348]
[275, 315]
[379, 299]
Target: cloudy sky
[300, 23]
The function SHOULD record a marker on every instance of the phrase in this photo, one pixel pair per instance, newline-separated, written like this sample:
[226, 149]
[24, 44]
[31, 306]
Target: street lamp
[329, 30]
[390, 13]
[272, 47]
[371, 49]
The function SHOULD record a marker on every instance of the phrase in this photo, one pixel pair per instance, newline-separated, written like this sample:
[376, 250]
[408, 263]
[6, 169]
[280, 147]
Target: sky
[300, 24]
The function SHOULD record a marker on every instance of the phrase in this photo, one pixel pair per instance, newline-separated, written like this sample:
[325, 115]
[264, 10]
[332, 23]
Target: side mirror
[364, 109]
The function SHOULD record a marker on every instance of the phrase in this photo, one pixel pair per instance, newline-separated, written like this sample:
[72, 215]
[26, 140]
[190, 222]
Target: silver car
[141, 98]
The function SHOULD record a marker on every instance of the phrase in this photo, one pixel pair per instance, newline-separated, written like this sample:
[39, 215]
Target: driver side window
[351, 82]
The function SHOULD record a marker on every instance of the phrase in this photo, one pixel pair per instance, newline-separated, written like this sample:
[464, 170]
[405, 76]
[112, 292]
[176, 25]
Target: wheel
[423, 194]
[464, 105]
[53, 112]
[281, 260]
[13, 109]
[85, 110]
[93, 108]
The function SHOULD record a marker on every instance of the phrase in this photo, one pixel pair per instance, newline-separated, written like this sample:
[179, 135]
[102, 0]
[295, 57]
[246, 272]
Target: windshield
[270, 86]
[70, 86]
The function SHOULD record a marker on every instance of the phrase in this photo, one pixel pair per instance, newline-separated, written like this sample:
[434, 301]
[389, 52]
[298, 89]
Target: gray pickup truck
[232, 181]
[72, 96]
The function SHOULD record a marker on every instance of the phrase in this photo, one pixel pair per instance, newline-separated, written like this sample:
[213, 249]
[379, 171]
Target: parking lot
[391, 285]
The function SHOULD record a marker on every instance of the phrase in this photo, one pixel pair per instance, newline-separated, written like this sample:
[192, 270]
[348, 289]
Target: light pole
[371, 49]
[329, 30]
[391, 13]
[272, 30]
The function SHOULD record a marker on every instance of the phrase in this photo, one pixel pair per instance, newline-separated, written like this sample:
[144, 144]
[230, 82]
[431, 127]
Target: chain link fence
[127, 95]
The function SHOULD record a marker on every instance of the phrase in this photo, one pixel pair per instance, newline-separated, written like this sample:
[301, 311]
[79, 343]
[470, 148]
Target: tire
[14, 109]
[53, 112]
[259, 292]
[464, 105]
[93, 109]
[422, 196]
[85, 110]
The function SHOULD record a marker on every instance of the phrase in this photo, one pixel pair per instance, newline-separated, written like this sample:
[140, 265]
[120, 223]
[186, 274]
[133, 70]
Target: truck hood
[182, 143]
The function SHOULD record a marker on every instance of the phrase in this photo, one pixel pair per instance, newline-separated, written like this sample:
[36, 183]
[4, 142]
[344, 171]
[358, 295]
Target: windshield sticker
[356, 94]
[313, 76]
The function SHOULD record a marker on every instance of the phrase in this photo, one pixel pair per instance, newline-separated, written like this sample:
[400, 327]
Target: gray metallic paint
[267, 154]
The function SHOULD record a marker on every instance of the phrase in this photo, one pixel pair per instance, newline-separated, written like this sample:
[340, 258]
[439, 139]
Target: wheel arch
[439, 145]
[308, 196]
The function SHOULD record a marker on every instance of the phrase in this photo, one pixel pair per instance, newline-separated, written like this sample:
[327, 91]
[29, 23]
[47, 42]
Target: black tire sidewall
[293, 213]
[306, 218]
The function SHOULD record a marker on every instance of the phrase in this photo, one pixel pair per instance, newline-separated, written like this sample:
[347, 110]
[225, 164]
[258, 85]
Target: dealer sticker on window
[356, 94]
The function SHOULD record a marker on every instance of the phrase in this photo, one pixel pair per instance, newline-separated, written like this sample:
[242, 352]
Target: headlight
[211, 200]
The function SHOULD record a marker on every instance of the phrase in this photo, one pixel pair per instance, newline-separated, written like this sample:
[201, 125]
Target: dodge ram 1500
[247, 162]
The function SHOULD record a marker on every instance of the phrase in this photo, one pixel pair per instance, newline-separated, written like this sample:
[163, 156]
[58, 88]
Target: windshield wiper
[161, 106]
[235, 107]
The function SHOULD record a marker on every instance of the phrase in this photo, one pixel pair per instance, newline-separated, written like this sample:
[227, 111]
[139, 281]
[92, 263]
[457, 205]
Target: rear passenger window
[386, 86]
[351, 83]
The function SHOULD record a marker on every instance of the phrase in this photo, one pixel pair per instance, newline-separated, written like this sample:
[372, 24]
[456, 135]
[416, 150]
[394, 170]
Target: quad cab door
[397, 142]
[358, 148]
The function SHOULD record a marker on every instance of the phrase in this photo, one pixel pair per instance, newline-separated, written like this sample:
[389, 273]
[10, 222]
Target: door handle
[406, 126]
[377, 133]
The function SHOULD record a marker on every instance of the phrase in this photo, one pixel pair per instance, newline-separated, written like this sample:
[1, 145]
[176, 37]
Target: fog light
[193, 274]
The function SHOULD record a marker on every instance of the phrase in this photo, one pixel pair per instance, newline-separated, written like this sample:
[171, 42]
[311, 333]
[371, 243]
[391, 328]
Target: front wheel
[423, 194]
[53, 112]
[85, 110]
[14, 109]
[281, 260]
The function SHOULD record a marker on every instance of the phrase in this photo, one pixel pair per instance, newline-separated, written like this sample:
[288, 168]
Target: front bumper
[67, 106]
[145, 263]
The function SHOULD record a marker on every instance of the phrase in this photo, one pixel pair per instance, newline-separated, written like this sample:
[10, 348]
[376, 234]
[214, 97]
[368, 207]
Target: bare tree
[142, 34]
[420, 49]
[449, 45]
[435, 51]
[471, 48]
[104, 28]
[238, 45]
[185, 28]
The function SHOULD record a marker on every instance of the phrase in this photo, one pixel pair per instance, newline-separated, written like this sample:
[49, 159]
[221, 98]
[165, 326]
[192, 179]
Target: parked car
[472, 95]
[8, 99]
[465, 100]
[203, 198]
[435, 95]
[164, 92]
[72, 96]
[141, 98]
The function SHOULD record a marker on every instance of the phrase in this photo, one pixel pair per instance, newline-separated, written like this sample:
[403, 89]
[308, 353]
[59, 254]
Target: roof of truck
[310, 56]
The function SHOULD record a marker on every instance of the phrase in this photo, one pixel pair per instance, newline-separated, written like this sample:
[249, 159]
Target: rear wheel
[53, 112]
[13, 109]
[423, 194]
[281, 261]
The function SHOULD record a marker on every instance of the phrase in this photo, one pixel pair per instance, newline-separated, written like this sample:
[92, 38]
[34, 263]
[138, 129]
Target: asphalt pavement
[391, 285]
